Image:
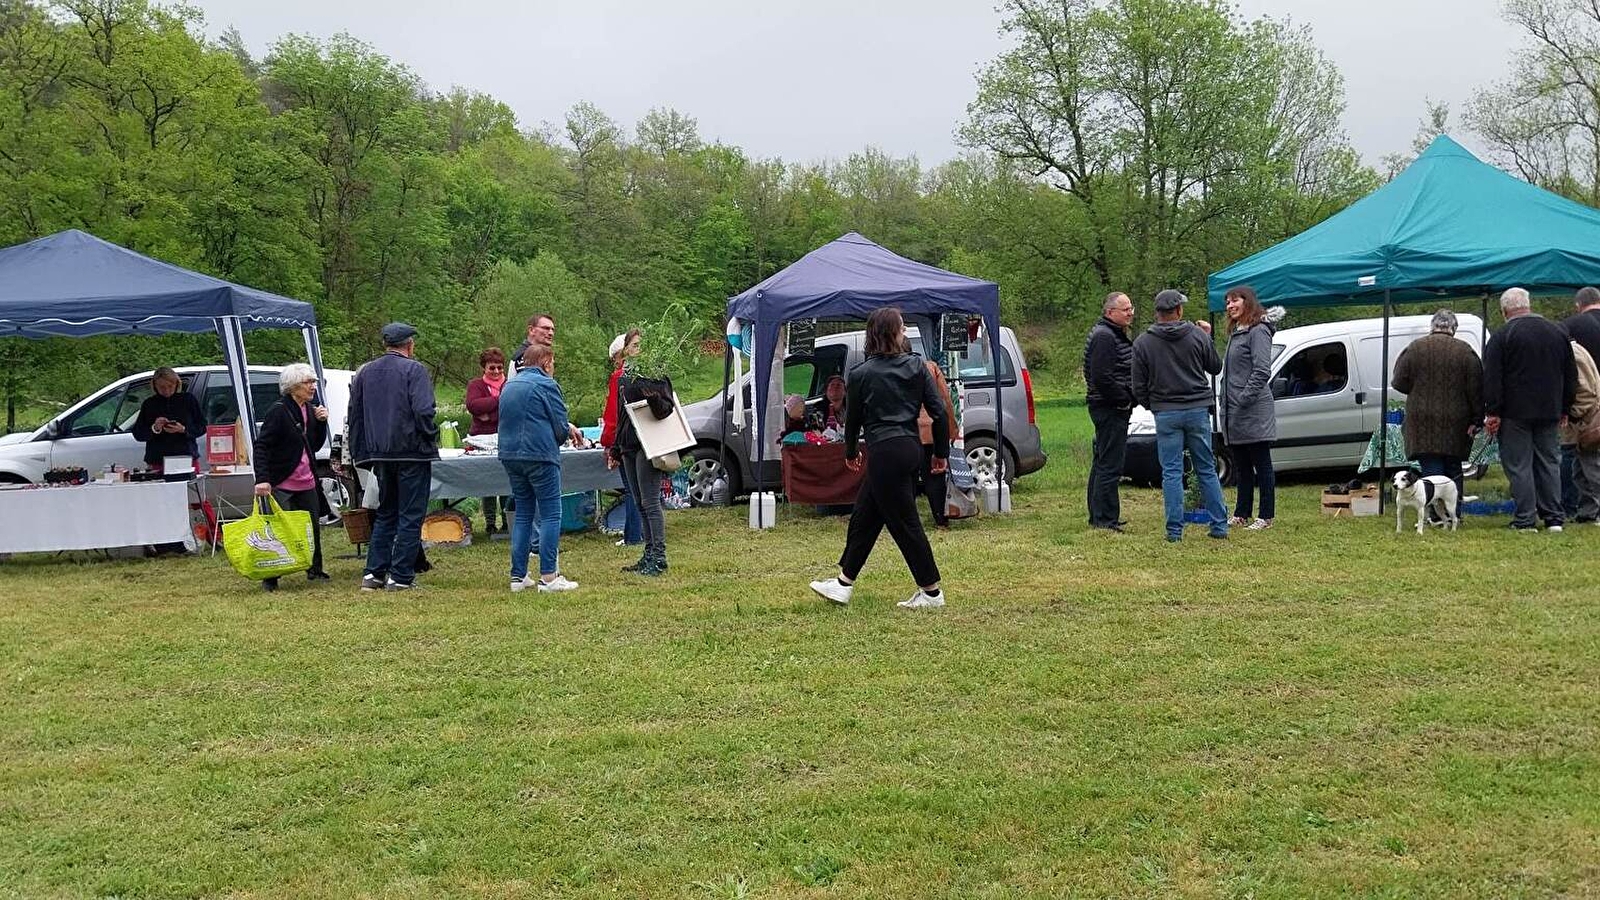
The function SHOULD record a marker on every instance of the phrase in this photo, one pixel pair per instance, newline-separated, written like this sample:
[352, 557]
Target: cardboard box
[1354, 504]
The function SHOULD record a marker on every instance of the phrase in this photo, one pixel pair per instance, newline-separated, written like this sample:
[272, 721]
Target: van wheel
[1225, 471]
[985, 460]
[704, 469]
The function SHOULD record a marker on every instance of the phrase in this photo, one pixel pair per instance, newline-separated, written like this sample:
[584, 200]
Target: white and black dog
[1421, 493]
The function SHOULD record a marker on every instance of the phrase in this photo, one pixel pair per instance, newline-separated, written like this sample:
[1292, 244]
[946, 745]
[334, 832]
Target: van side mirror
[52, 430]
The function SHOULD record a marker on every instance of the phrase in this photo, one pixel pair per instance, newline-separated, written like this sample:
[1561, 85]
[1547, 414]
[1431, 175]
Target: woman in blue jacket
[533, 424]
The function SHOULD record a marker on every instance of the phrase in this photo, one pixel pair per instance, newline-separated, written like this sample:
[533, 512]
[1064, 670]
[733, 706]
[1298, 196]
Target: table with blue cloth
[482, 475]
[1485, 450]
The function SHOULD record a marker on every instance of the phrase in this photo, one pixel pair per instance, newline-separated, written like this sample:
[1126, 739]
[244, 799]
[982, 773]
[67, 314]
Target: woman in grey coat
[1249, 421]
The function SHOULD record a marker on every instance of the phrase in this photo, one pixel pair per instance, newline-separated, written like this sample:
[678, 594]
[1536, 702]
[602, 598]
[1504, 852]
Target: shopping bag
[269, 544]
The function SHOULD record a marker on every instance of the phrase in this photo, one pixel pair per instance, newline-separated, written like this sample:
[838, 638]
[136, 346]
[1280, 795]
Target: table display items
[67, 475]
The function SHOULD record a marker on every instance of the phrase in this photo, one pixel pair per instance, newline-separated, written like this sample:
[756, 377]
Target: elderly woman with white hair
[291, 432]
[1443, 383]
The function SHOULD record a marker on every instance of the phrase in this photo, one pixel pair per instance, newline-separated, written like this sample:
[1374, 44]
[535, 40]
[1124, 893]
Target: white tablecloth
[94, 516]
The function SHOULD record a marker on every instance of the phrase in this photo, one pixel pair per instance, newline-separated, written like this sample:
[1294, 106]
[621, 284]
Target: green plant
[669, 346]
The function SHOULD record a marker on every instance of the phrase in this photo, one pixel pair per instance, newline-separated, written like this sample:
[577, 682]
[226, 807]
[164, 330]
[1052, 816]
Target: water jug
[763, 509]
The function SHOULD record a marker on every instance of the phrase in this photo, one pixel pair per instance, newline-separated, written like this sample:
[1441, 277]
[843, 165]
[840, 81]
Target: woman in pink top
[291, 433]
[483, 402]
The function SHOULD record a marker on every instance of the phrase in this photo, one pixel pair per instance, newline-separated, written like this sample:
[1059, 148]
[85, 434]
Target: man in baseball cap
[392, 432]
[1172, 367]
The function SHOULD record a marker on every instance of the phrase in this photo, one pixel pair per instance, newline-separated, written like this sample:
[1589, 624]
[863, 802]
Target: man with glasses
[1108, 372]
[541, 330]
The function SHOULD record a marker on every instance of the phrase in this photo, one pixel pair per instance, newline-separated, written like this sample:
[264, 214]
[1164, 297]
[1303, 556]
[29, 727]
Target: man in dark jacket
[1108, 373]
[1443, 383]
[1530, 380]
[1172, 365]
[1582, 326]
[392, 432]
[541, 330]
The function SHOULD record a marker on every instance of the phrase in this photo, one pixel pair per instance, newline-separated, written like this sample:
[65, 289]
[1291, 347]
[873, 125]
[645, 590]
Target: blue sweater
[533, 417]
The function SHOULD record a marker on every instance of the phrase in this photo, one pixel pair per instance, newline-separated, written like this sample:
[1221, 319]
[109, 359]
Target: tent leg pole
[1483, 335]
[722, 445]
[1383, 410]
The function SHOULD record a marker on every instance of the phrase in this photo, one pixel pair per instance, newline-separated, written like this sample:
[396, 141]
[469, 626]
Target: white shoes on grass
[554, 585]
[835, 592]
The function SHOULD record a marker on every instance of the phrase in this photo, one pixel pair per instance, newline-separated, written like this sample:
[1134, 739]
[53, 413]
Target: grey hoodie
[1171, 362]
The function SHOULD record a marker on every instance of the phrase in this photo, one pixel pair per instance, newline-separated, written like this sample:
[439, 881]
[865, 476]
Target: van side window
[1318, 369]
[116, 411]
[976, 364]
[219, 407]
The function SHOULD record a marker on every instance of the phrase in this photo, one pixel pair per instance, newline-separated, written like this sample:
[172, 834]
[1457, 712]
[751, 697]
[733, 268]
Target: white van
[1328, 384]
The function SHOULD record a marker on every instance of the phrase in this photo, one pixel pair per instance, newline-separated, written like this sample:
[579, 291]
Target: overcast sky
[824, 78]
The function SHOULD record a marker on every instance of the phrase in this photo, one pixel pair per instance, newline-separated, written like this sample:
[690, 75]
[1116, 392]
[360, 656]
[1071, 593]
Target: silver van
[93, 433]
[1327, 383]
[1019, 452]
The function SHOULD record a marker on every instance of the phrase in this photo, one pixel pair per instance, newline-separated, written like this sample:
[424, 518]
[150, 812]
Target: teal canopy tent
[1448, 226]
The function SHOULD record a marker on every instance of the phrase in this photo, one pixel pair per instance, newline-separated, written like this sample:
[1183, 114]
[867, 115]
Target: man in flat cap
[392, 432]
[1172, 365]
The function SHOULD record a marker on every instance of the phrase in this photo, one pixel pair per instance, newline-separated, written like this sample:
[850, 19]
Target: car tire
[982, 456]
[1225, 470]
[705, 466]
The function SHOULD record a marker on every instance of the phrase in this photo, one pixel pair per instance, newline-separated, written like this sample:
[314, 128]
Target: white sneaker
[523, 583]
[622, 542]
[921, 600]
[1554, 529]
[832, 591]
[558, 583]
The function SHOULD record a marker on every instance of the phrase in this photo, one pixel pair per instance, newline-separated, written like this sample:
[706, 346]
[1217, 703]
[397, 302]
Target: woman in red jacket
[624, 346]
[483, 402]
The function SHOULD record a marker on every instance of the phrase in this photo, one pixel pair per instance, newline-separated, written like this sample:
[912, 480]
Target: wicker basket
[357, 524]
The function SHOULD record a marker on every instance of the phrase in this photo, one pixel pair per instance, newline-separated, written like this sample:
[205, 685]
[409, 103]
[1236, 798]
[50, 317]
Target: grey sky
[825, 78]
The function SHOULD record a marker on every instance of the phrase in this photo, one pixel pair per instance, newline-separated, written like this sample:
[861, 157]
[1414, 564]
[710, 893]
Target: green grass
[1324, 709]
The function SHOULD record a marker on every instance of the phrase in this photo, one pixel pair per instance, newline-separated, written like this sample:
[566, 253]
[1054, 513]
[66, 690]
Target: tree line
[1133, 144]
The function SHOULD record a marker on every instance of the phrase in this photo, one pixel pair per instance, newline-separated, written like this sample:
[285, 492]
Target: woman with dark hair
[885, 393]
[1249, 418]
[483, 402]
[623, 346]
[292, 431]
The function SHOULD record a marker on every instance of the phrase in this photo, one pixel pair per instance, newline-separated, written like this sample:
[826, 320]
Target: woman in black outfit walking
[885, 394]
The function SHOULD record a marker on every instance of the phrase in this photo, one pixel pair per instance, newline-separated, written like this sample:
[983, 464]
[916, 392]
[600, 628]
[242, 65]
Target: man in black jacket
[1108, 373]
[1583, 327]
[1173, 363]
[1530, 380]
[392, 432]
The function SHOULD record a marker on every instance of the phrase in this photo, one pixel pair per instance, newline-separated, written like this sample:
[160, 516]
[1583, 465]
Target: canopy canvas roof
[73, 284]
[848, 278]
[1450, 225]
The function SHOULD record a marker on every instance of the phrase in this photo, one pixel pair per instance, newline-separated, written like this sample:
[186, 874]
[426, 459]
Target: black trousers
[1253, 462]
[888, 499]
[1105, 471]
[935, 487]
[309, 501]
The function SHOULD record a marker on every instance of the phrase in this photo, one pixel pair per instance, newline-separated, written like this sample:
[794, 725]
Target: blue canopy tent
[74, 284]
[1449, 226]
[848, 278]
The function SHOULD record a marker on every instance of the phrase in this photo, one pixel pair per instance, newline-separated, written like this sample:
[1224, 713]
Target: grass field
[1323, 709]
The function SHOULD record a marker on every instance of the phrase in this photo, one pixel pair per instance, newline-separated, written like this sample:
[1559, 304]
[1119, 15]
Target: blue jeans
[397, 524]
[536, 486]
[1178, 430]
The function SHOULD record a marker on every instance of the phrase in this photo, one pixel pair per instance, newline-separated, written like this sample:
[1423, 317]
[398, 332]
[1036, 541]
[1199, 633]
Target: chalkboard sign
[954, 329]
[802, 337]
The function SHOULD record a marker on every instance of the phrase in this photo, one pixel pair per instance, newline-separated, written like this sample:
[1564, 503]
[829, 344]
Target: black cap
[1169, 300]
[397, 333]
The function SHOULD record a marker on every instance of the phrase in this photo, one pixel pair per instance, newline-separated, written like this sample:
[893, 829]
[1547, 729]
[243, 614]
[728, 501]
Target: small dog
[1436, 492]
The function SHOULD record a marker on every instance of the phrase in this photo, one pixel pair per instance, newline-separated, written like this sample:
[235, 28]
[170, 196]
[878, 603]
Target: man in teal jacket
[533, 424]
